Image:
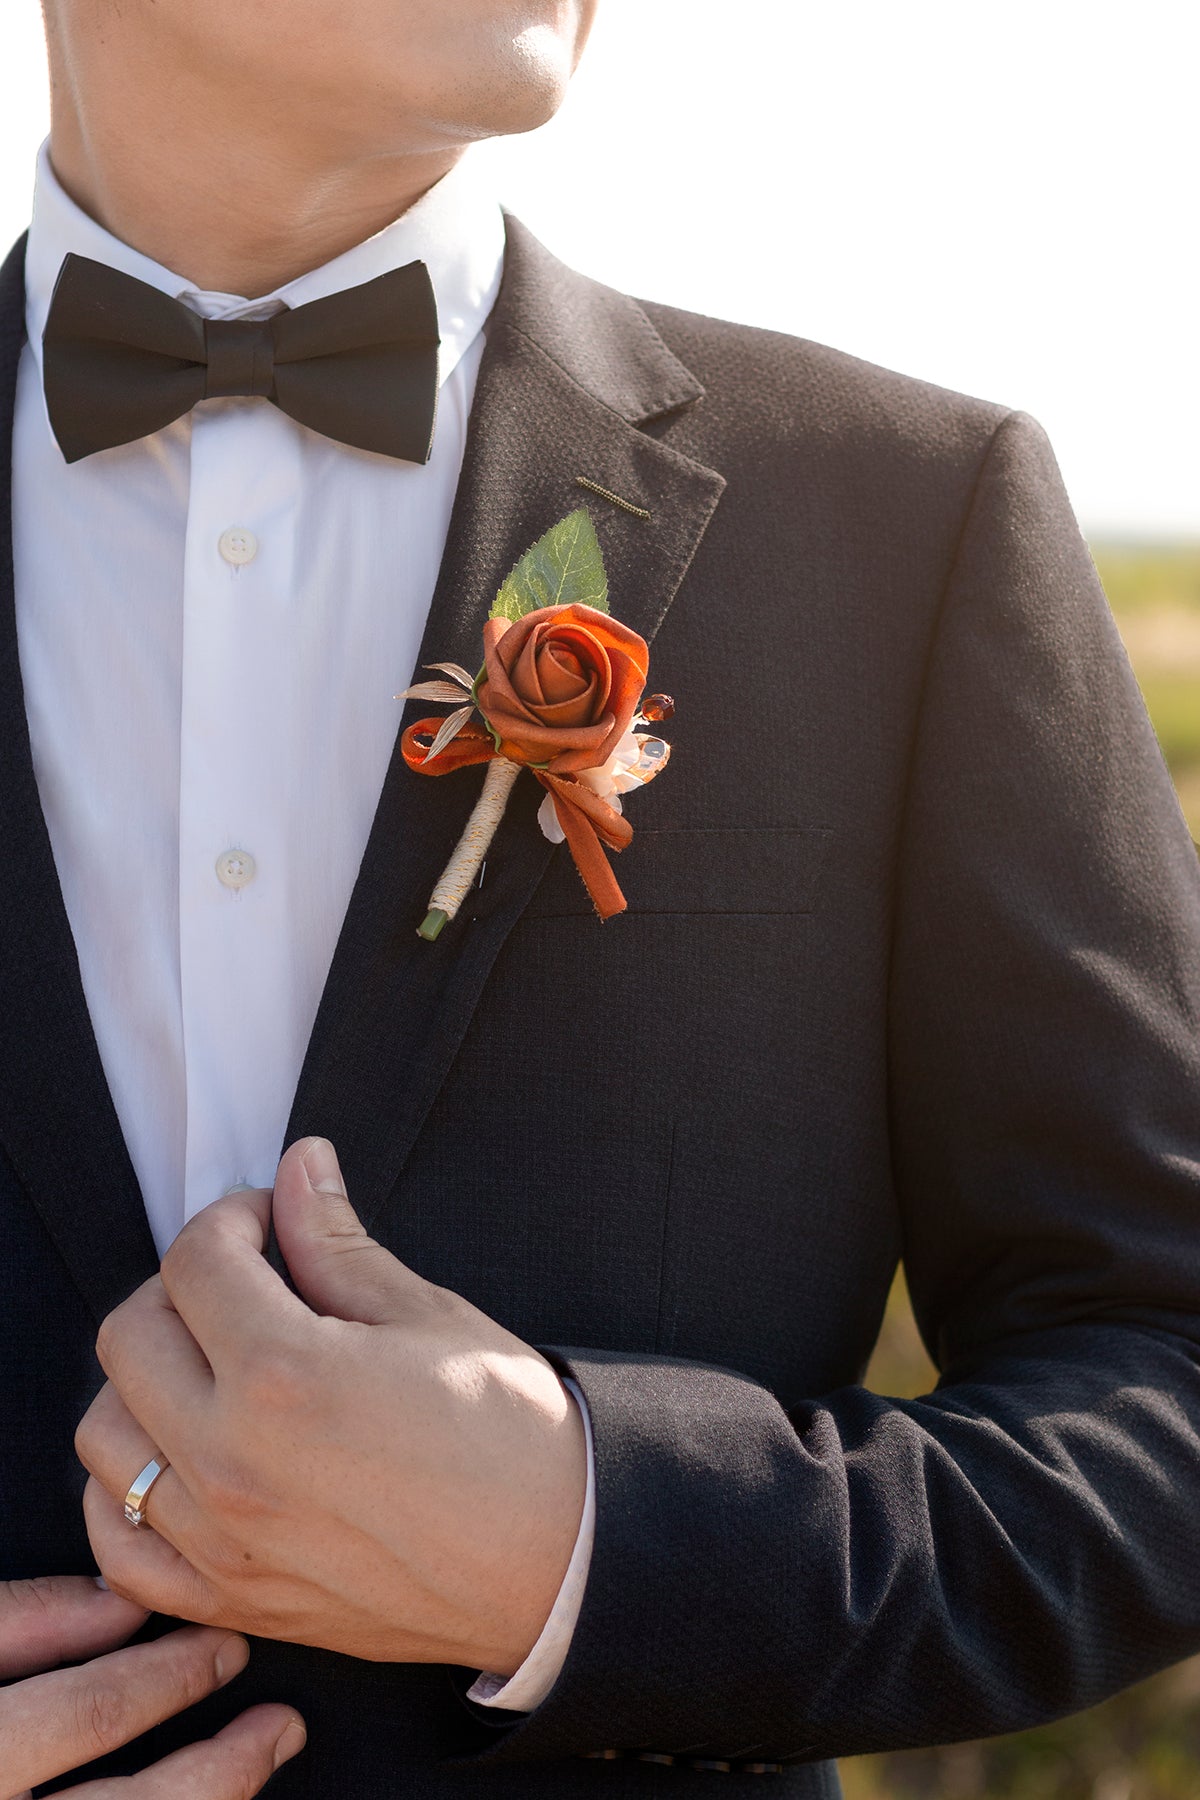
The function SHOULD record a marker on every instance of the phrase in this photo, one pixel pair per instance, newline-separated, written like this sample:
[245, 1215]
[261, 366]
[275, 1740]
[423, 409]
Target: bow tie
[121, 360]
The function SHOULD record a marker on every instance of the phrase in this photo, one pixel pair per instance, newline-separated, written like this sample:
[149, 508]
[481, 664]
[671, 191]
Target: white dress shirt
[213, 624]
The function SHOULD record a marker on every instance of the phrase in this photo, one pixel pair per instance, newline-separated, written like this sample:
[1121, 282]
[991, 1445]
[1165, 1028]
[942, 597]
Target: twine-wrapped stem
[472, 847]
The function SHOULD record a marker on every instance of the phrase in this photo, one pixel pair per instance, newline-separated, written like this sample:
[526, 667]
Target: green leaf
[564, 568]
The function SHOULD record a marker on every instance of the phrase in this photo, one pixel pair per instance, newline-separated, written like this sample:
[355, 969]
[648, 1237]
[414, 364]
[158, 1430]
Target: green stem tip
[431, 924]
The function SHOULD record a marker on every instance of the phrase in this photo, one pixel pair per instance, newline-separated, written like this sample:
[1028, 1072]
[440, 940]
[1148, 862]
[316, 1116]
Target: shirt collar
[456, 229]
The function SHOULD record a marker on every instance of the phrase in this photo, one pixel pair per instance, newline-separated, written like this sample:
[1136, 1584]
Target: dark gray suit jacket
[911, 966]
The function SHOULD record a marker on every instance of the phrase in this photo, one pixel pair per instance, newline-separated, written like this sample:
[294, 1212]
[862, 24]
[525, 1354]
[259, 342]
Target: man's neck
[242, 218]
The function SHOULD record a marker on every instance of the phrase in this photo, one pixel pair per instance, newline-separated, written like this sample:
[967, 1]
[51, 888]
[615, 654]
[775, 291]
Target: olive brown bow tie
[121, 360]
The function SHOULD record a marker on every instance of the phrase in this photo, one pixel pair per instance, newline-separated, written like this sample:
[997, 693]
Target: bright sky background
[1001, 198]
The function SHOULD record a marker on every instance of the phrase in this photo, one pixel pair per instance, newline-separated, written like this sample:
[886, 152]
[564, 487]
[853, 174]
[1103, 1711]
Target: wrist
[535, 1560]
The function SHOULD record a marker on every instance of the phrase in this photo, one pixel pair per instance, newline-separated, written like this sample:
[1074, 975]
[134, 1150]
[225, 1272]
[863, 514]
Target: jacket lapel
[57, 1121]
[571, 374]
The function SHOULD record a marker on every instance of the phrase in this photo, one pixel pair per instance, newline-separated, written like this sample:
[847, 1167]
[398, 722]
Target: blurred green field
[1155, 595]
[1143, 1744]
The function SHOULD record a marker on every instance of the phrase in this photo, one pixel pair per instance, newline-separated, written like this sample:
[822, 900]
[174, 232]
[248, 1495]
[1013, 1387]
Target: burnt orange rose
[561, 685]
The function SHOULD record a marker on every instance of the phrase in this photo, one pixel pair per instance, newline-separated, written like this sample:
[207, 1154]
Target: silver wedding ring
[135, 1499]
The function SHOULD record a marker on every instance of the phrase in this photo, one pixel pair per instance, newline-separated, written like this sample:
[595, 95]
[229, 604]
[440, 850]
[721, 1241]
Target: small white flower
[609, 782]
[635, 762]
[616, 775]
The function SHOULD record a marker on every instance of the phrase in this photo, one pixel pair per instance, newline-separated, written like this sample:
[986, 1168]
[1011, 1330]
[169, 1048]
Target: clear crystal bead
[654, 755]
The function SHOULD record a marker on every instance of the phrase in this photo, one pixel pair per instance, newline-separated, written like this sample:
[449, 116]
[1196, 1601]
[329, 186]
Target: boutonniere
[560, 693]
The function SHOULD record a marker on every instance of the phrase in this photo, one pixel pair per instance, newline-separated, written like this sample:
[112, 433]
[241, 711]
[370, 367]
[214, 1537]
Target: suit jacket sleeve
[861, 1573]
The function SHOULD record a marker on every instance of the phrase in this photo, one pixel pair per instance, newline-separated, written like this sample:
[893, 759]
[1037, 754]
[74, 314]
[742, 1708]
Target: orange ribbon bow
[587, 821]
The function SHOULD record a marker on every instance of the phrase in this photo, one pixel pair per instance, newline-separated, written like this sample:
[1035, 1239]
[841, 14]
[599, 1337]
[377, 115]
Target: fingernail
[232, 1656]
[322, 1168]
[292, 1740]
[102, 1584]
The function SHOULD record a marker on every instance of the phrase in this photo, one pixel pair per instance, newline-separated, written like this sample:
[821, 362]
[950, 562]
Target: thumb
[336, 1267]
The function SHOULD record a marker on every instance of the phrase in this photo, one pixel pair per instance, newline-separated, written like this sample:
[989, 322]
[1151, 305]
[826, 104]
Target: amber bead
[658, 707]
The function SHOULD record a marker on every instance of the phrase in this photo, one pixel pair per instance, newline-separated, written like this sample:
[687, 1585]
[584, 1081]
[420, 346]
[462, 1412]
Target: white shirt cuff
[540, 1670]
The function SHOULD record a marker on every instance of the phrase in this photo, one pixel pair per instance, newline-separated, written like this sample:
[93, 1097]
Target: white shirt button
[238, 546]
[236, 869]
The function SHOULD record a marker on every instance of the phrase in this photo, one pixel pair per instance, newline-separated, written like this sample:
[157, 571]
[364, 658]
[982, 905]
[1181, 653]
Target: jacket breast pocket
[752, 871]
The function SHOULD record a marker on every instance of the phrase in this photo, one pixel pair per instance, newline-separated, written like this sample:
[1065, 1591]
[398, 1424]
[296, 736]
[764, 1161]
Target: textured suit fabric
[911, 965]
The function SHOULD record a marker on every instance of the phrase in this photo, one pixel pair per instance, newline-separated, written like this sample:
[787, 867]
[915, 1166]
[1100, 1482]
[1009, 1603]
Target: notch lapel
[58, 1124]
[571, 374]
